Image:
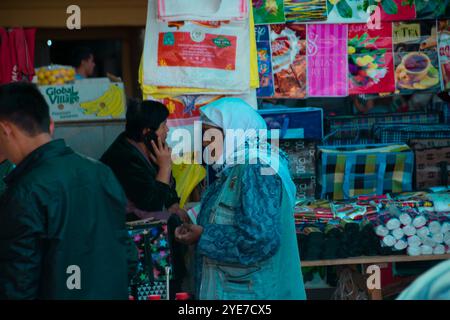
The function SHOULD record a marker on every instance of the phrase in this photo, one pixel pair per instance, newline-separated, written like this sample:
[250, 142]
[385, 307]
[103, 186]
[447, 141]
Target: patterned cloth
[402, 133]
[154, 256]
[349, 171]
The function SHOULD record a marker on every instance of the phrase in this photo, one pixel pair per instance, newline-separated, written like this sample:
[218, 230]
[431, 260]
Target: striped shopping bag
[403, 133]
[350, 171]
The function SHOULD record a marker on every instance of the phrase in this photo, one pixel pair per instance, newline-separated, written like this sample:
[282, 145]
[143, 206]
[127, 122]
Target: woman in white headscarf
[246, 246]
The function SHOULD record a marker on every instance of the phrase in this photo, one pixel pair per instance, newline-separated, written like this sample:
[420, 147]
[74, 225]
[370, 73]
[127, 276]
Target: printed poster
[268, 11]
[288, 42]
[370, 59]
[416, 56]
[266, 86]
[327, 60]
[305, 10]
[347, 11]
[444, 54]
[396, 10]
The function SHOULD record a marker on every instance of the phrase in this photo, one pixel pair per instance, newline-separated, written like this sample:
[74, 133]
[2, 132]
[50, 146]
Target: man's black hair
[142, 115]
[80, 54]
[22, 104]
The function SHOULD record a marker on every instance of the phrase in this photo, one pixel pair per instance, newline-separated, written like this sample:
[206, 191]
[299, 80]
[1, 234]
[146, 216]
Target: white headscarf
[235, 113]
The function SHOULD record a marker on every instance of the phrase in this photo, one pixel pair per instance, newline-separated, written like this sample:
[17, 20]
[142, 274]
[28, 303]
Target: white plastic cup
[427, 241]
[414, 251]
[426, 250]
[398, 234]
[405, 219]
[445, 227]
[409, 230]
[435, 227]
[389, 241]
[400, 245]
[447, 238]
[381, 231]
[414, 241]
[393, 224]
[423, 232]
[439, 249]
[419, 221]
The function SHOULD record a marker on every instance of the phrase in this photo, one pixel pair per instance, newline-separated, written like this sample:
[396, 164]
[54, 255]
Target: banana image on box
[111, 103]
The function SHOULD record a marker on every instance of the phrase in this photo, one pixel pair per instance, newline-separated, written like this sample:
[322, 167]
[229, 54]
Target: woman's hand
[175, 209]
[188, 234]
[162, 157]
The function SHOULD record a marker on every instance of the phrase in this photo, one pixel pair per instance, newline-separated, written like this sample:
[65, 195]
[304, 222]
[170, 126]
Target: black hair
[22, 104]
[144, 114]
[80, 54]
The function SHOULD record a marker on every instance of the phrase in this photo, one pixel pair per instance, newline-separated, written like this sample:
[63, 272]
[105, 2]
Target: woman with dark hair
[141, 160]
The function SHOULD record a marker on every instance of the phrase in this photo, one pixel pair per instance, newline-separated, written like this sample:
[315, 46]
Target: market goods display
[55, 75]
[111, 103]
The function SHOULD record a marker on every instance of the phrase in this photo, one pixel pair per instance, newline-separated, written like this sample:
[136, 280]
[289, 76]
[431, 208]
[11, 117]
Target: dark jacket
[5, 168]
[138, 176]
[60, 210]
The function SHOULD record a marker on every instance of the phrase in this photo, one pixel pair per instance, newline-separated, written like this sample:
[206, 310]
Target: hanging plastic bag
[187, 177]
[194, 54]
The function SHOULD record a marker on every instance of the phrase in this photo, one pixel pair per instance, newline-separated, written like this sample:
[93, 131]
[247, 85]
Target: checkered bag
[350, 171]
[403, 133]
[351, 126]
[154, 266]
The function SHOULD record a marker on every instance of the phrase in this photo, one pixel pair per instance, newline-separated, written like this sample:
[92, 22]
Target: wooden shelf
[373, 260]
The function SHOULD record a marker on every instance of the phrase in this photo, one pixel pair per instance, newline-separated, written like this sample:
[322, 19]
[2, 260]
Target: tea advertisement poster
[416, 56]
[266, 88]
[288, 43]
[305, 10]
[395, 10]
[268, 11]
[348, 11]
[370, 59]
[432, 9]
[327, 60]
[444, 54]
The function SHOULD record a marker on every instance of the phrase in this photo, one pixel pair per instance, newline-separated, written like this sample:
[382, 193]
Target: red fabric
[16, 54]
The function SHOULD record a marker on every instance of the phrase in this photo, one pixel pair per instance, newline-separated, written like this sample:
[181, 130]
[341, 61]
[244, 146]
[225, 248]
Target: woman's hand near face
[162, 157]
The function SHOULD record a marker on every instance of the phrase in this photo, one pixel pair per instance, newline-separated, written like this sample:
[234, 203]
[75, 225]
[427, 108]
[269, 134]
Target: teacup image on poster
[416, 65]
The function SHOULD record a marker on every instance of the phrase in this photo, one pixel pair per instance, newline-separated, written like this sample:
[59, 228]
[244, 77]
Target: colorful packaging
[305, 10]
[371, 61]
[444, 54]
[348, 11]
[268, 11]
[266, 85]
[416, 56]
[288, 43]
[327, 60]
[397, 10]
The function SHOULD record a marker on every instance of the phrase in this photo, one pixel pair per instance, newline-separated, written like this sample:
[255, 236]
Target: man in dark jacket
[62, 216]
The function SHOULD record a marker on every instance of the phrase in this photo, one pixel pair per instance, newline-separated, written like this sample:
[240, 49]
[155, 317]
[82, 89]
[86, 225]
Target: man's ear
[5, 128]
[52, 127]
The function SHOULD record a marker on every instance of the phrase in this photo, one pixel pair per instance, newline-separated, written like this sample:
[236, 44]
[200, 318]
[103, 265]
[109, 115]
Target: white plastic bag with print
[210, 55]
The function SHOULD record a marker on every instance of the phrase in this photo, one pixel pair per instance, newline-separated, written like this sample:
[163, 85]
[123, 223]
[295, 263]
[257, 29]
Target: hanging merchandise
[444, 53]
[187, 175]
[194, 54]
[346, 172]
[327, 60]
[266, 85]
[348, 11]
[211, 10]
[432, 167]
[288, 43]
[403, 133]
[396, 10]
[17, 54]
[432, 9]
[305, 10]
[268, 11]
[302, 157]
[371, 61]
[415, 56]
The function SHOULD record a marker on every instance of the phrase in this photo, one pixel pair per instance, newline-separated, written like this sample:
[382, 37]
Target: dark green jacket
[138, 176]
[61, 210]
[5, 168]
